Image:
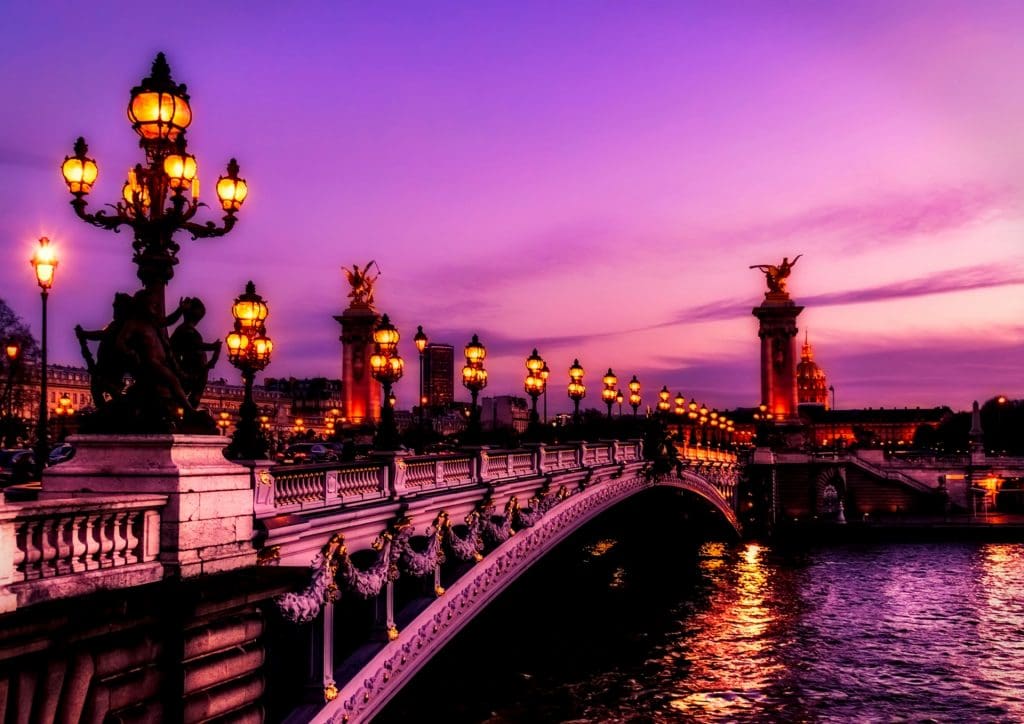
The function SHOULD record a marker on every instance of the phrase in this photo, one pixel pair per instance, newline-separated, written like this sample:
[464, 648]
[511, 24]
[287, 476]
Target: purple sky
[592, 179]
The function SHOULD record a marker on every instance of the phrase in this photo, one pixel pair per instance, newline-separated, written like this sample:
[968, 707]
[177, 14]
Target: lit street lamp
[44, 262]
[63, 410]
[634, 394]
[474, 379]
[577, 390]
[663, 403]
[421, 346]
[680, 412]
[387, 367]
[535, 384]
[249, 350]
[619, 398]
[609, 391]
[545, 372]
[159, 199]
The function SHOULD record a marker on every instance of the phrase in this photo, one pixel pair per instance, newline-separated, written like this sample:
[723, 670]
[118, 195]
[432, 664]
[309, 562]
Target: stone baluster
[29, 542]
[106, 536]
[65, 532]
[79, 545]
[93, 539]
[10, 557]
[48, 549]
[117, 555]
[131, 536]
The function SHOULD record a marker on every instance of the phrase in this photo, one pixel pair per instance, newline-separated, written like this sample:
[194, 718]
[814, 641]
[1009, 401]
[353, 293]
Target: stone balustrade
[296, 488]
[66, 547]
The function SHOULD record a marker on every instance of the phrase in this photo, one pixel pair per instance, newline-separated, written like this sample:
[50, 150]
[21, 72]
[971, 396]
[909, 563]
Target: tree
[14, 329]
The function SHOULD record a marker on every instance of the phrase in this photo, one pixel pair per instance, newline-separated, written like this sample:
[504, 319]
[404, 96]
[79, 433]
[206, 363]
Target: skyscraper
[439, 374]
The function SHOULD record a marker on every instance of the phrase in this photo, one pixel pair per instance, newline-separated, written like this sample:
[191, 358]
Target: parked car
[16, 466]
[309, 452]
[61, 453]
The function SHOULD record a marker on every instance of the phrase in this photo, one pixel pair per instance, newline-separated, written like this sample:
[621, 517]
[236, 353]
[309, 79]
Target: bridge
[423, 519]
[199, 560]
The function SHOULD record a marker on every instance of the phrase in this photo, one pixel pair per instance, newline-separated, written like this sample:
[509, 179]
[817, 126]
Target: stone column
[361, 393]
[777, 316]
[207, 524]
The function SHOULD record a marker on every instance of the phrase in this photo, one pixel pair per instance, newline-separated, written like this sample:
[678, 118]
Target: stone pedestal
[206, 526]
[361, 392]
[777, 316]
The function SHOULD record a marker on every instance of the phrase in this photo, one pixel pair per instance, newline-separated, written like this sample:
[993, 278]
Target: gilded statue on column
[776, 276]
[362, 283]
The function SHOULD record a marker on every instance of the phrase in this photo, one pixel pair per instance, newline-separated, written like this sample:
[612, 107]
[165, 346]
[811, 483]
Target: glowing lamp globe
[158, 108]
[232, 190]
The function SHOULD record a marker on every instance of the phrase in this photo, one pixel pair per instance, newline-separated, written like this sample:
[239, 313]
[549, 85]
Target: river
[640, 618]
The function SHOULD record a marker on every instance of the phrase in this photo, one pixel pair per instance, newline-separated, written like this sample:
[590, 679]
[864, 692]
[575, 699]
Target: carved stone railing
[284, 489]
[66, 547]
[315, 486]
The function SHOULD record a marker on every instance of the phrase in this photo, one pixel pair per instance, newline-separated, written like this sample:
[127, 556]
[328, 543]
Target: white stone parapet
[67, 547]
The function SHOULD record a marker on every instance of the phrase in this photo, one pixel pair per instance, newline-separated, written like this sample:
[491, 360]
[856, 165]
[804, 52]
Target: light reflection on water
[644, 632]
[898, 632]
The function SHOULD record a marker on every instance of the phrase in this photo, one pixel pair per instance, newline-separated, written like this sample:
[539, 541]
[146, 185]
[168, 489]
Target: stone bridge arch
[410, 649]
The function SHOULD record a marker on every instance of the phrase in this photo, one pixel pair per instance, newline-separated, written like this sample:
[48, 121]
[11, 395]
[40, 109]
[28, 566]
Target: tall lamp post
[44, 262]
[680, 412]
[608, 393]
[249, 350]
[545, 372]
[12, 350]
[387, 367]
[159, 199]
[577, 390]
[634, 394]
[619, 399]
[474, 379]
[535, 384]
[420, 339]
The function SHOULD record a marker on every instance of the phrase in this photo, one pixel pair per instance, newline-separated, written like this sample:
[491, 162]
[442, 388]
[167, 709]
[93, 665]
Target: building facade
[439, 375]
[811, 384]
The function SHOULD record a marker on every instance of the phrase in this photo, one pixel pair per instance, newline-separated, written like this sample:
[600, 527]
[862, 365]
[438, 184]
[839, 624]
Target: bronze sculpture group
[775, 276]
[168, 373]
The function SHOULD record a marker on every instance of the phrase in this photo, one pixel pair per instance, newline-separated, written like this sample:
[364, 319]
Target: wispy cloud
[888, 219]
[981, 276]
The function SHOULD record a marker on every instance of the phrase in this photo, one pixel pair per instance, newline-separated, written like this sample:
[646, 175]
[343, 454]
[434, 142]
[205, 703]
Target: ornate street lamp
[63, 410]
[577, 390]
[634, 394]
[249, 350]
[691, 413]
[387, 367]
[474, 379]
[619, 398]
[421, 346]
[224, 422]
[609, 391]
[663, 396]
[680, 412]
[544, 373]
[535, 384]
[159, 199]
[44, 262]
[12, 350]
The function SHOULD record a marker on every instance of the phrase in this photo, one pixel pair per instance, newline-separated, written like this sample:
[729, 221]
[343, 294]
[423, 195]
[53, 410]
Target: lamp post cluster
[634, 394]
[387, 367]
[421, 346]
[64, 410]
[249, 350]
[474, 379]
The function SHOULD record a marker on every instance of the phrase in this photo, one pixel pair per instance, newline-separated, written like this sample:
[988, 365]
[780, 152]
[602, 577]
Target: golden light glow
[159, 115]
[231, 192]
[237, 345]
[79, 173]
[576, 371]
[386, 335]
[534, 363]
[250, 312]
[664, 394]
[12, 350]
[44, 261]
[180, 169]
[577, 390]
[420, 339]
[634, 385]
[475, 352]
[609, 379]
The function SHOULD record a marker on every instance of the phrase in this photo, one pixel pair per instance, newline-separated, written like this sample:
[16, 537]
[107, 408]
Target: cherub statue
[362, 284]
[190, 350]
[108, 367]
[776, 275]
